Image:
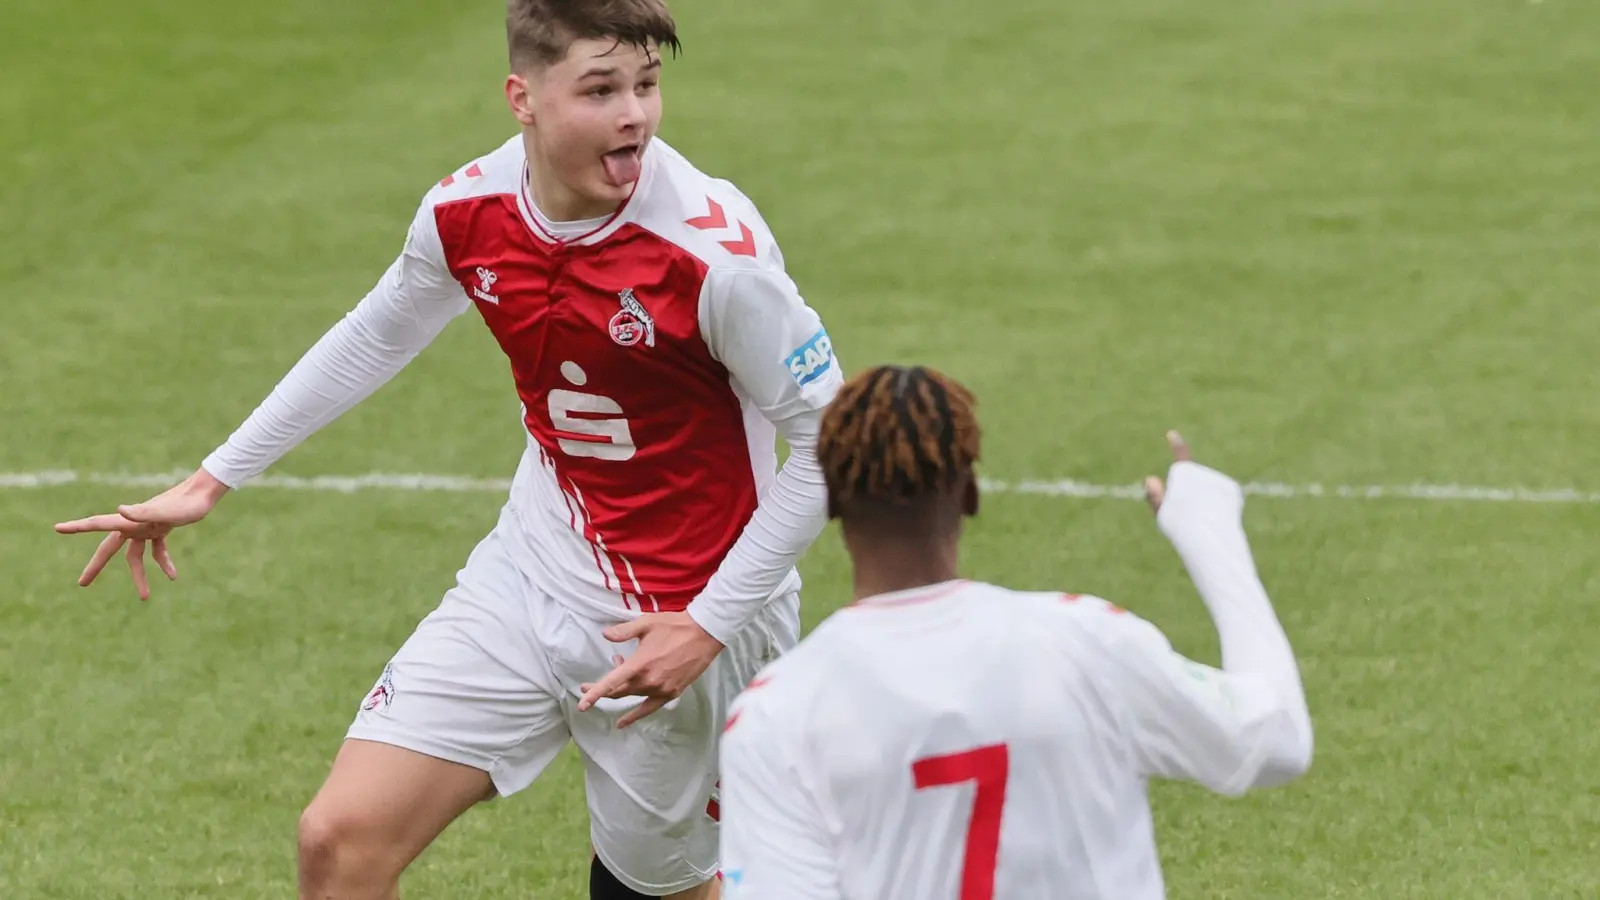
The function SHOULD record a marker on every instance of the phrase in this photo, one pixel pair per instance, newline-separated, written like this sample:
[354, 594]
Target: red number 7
[989, 767]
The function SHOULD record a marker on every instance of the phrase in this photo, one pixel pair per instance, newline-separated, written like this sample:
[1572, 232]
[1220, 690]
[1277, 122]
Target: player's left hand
[673, 651]
[1155, 490]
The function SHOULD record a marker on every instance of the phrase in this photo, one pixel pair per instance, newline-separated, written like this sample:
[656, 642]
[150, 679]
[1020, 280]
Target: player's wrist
[713, 627]
[1199, 497]
[206, 486]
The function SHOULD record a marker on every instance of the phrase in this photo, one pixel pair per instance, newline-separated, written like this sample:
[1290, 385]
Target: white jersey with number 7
[967, 742]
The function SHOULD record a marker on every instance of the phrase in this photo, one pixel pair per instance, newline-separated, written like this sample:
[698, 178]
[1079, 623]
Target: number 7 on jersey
[988, 767]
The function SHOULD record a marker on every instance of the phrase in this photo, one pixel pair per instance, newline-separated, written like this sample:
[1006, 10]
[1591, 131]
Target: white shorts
[491, 680]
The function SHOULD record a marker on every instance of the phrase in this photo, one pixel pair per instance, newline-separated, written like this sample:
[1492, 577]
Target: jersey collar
[924, 594]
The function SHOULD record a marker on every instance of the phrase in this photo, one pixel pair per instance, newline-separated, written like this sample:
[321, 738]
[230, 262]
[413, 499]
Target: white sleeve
[779, 355]
[1232, 729]
[403, 313]
[774, 843]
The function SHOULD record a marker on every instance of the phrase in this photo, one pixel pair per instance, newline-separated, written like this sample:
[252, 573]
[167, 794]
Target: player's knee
[334, 844]
[604, 886]
[320, 836]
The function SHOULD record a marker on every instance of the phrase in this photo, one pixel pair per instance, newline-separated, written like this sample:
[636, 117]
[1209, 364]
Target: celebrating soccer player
[659, 349]
[946, 739]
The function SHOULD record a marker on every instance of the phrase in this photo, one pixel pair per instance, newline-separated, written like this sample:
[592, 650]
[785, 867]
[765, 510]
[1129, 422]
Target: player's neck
[890, 567]
[559, 203]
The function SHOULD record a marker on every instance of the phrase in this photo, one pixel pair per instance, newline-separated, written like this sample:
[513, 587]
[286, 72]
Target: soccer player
[658, 349]
[950, 740]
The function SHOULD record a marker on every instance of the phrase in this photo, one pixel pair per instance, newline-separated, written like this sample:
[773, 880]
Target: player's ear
[519, 95]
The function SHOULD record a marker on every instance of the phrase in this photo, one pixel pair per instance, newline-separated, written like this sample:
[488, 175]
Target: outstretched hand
[147, 524]
[673, 651]
[1155, 490]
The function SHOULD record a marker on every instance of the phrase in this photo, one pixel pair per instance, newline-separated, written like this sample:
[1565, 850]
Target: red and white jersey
[967, 742]
[657, 358]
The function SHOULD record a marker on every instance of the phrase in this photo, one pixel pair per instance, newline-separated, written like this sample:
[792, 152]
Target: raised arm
[1232, 729]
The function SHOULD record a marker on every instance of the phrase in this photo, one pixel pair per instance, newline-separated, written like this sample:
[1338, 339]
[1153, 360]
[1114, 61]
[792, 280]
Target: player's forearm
[788, 519]
[1252, 639]
[1210, 539]
[1205, 528]
[352, 360]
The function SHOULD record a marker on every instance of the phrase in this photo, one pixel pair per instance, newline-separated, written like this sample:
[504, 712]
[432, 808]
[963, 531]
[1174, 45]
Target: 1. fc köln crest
[632, 323]
[382, 693]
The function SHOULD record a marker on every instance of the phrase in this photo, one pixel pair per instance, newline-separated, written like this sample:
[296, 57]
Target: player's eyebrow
[608, 71]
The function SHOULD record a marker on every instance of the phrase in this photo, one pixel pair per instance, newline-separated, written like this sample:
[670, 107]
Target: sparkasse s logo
[812, 360]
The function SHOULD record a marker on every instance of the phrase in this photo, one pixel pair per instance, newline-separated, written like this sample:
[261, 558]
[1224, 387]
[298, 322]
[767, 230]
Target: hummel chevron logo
[717, 220]
[472, 172]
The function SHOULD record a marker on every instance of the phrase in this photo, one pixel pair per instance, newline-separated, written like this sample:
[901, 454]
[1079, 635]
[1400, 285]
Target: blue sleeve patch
[812, 360]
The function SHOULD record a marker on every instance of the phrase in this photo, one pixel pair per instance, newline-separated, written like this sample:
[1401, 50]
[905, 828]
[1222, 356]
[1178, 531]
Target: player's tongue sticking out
[622, 166]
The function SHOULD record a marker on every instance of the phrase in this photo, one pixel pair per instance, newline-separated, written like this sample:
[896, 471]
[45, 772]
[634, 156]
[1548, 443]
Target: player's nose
[633, 114]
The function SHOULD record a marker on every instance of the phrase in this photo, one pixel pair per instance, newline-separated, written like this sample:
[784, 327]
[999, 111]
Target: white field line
[456, 484]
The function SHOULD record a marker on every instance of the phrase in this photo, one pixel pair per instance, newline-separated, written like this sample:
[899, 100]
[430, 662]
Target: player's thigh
[388, 800]
[649, 817]
[774, 632]
[470, 688]
[652, 787]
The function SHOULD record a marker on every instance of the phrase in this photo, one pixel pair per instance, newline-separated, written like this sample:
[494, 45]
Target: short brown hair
[896, 436]
[539, 32]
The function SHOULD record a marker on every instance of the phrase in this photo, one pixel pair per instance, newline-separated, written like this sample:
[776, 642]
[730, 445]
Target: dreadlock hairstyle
[897, 437]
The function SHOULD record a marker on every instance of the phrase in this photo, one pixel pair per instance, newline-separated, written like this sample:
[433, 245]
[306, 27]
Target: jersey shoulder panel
[1074, 604]
[788, 685]
[1051, 618]
[705, 216]
[1086, 613]
[800, 666]
[1106, 637]
[499, 172]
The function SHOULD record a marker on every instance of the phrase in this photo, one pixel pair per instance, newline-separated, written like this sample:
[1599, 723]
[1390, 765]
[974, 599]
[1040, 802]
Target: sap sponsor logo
[812, 360]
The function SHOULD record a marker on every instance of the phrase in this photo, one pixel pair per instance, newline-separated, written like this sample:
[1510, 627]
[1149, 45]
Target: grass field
[1343, 242]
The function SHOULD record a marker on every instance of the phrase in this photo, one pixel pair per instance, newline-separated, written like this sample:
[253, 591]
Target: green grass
[1344, 242]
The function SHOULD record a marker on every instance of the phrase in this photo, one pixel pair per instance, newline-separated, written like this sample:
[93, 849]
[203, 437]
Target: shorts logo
[632, 323]
[382, 694]
[812, 360]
